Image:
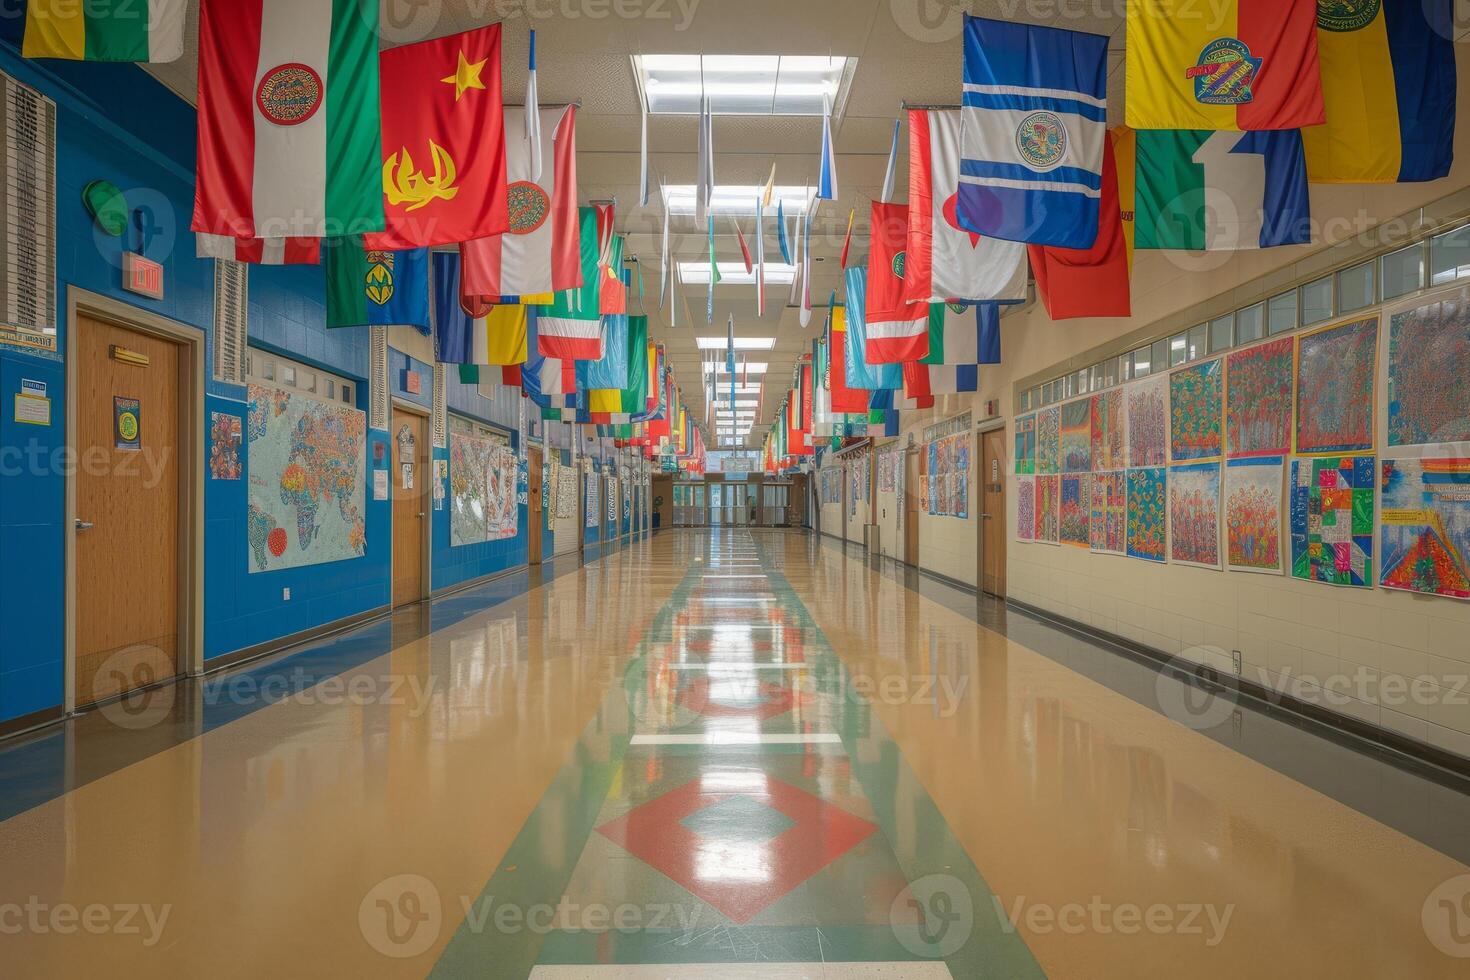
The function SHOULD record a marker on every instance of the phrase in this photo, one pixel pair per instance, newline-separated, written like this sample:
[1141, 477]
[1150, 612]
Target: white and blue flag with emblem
[1035, 123]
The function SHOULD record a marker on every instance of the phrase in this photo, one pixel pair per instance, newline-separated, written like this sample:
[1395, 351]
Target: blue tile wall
[115, 122]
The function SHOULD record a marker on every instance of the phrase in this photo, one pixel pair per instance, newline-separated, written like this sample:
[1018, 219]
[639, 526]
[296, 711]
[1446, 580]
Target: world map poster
[1424, 526]
[307, 463]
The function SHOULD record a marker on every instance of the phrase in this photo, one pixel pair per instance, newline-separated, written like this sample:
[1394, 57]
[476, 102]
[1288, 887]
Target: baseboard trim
[31, 722]
[245, 655]
[1322, 721]
[479, 580]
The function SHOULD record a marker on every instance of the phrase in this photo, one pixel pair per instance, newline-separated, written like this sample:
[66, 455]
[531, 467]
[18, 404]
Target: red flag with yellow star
[443, 141]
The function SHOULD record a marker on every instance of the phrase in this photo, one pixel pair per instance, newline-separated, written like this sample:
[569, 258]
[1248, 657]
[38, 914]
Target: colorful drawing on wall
[1148, 514]
[1076, 437]
[1109, 431]
[1334, 388]
[1194, 514]
[482, 490]
[566, 493]
[1253, 512]
[1148, 422]
[590, 502]
[1332, 520]
[1258, 400]
[1425, 526]
[1048, 440]
[1426, 403]
[1026, 444]
[224, 446]
[1026, 509]
[948, 473]
[1196, 412]
[1048, 526]
[1108, 530]
[1076, 511]
[308, 480]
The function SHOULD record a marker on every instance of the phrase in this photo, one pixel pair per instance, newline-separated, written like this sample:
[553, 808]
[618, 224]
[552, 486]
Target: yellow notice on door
[32, 409]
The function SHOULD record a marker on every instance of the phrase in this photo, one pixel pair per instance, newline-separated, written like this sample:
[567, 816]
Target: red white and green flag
[289, 146]
[105, 30]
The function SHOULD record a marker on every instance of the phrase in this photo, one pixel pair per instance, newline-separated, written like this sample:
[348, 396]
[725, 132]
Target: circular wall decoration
[289, 94]
[107, 205]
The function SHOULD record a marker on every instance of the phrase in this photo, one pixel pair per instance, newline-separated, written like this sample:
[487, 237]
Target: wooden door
[911, 503]
[410, 478]
[128, 518]
[993, 512]
[533, 504]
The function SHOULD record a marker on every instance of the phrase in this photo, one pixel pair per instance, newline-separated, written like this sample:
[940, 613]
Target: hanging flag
[744, 248]
[730, 359]
[846, 399]
[531, 135]
[1197, 189]
[858, 372]
[847, 240]
[616, 404]
[260, 251]
[704, 188]
[371, 287]
[500, 338]
[571, 327]
[897, 329]
[714, 271]
[550, 382]
[806, 266]
[540, 253]
[1249, 64]
[760, 256]
[1034, 123]
[443, 170]
[945, 261]
[891, 174]
[613, 291]
[1089, 282]
[277, 159]
[643, 182]
[827, 181]
[770, 189]
[663, 262]
[781, 232]
[952, 364]
[149, 30]
[1389, 84]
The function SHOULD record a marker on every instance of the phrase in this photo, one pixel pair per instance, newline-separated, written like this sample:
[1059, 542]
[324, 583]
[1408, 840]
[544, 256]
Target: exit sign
[142, 276]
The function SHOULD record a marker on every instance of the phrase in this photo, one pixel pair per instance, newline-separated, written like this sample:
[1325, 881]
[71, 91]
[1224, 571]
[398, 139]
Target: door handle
[84, 525]
[986, 516]
[421, 515]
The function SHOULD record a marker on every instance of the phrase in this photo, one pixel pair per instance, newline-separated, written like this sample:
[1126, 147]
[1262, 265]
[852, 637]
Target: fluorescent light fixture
[741, 343]
[734, 274]
[754, 367]
[739, 200]
[746, 85]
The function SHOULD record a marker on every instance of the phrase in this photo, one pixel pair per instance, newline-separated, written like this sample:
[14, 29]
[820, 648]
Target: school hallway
[714, 753]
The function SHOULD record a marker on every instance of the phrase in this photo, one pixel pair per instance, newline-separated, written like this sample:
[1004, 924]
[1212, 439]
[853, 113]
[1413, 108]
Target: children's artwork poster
[1332, 520]
[1196, 412]
[1148, 514]
[224, 446]
[612, 498]
[1109, 430]
[1108, 520]
[1334, 388]
[1424, 526]
[441, 477]
[1253, 514]
[888, 463]
[949, 476]
[590, 506]
[566, 492]
[1026, 508]
[1258, 399]
[1194, 514]
[483, 477]
[127, 424]
[1048, 440]
[1148, 422]
[1026, 444]
[1426, 402]
[1076, 511]
[1048, 525]
[1076, 436]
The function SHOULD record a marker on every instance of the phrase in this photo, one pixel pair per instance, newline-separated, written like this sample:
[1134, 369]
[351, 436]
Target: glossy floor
[730, 753]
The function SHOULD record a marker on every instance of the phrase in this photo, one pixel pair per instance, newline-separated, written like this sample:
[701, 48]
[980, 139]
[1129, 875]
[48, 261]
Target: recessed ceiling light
[750, 85]
[741, 343]
[734, 274]
[739, 199]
